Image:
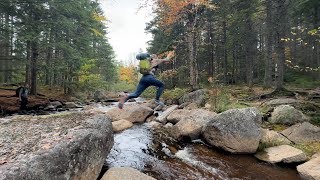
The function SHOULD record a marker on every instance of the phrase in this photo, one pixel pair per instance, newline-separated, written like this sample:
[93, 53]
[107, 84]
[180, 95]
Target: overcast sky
[126, 27]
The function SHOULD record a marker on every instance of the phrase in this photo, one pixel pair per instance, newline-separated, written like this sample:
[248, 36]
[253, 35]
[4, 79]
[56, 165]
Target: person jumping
[148, 65]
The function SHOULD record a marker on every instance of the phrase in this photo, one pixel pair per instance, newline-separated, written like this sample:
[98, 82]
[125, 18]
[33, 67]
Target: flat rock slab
[121, 125]
[283, 153]
[63, 146]
[131, 112]
[311, 169]
[303, 133]
[125, 173]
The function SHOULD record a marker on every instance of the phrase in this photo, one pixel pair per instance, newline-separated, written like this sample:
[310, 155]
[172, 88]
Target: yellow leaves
[89, 77]
[289, 64]
[96, 32]
[127, 74]
[314, 32]
[98, 17]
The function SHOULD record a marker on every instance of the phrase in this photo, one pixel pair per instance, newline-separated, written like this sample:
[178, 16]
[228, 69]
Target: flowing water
[159, 156]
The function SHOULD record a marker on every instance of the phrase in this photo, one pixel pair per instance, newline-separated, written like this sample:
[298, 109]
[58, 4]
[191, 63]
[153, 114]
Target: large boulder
[197, 97]
[177, 115]
[190, 126]
[121, 125]
[283, 153]
[310, 170]
[131, 112]
[273, 138]
[302, 133]
[65, 146]
[125, 173]
[163, 117]
[288, 115]
[235, 130]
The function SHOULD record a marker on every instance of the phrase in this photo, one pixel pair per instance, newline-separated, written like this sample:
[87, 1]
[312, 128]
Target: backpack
[144, 67]
[18, 91]
[144, 64]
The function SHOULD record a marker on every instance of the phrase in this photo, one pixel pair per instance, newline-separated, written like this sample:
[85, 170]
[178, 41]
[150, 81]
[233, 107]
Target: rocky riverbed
[183, 141]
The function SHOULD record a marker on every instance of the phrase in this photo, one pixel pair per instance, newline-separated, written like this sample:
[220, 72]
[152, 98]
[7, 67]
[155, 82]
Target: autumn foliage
[128, 74]
[170, 11]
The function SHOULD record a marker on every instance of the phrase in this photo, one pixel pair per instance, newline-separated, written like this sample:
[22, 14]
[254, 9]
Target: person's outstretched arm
[157, 61]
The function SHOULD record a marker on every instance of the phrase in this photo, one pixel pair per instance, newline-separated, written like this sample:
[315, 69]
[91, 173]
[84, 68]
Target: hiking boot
[159, 103]
[121, 102]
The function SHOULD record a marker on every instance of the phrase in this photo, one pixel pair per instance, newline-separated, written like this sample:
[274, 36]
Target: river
[156, 154]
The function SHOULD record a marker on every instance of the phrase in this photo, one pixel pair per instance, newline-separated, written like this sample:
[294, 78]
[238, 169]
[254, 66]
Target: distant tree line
[54, 43]
[236, 41]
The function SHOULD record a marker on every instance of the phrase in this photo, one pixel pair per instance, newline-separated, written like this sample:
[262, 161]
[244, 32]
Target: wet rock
[273, 138]
[281, 101]
[190, 126]
[283, 153]
[151, 118]
[121, 125]
[303, 133]
[70, 105]
[50, 108]
[155, 124]
[56, 104]
[163, 117]
[133, 113]
[65, 146]
[310, 170]
[125, 173]
[159, 108]
[177, 115]
[41, 112]
[235, 130]
[197, 97]
[151, 104]
[288, 115]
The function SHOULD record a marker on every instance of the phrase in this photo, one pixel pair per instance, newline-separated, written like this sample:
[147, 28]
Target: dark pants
[145, 82]
[23, 103]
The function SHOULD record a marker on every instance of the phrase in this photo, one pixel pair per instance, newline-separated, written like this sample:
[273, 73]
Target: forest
[269, 43]
[57, 43]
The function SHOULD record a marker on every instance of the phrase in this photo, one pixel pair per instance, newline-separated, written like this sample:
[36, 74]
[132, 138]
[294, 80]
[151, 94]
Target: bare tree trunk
[268, 64]
[48, 60]
[249, 46]
[280, 33]
[28, 62]
[191, 38]
[34, 58]
[225, 55]
[7, 71]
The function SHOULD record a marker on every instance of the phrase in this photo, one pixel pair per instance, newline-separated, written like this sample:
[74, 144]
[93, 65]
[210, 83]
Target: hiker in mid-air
[23, 92]
[148, 65]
